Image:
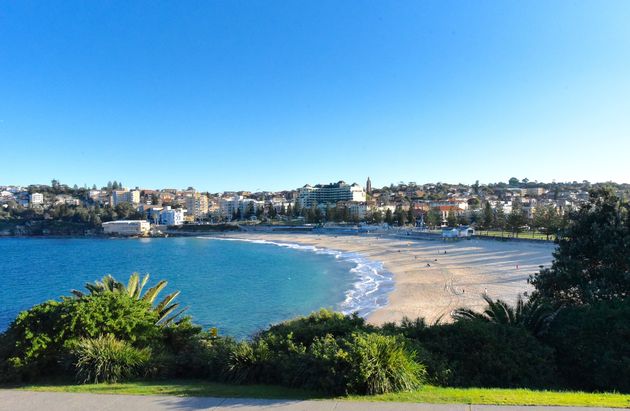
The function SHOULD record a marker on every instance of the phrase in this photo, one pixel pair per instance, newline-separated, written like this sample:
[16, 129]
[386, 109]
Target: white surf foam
[372, 282]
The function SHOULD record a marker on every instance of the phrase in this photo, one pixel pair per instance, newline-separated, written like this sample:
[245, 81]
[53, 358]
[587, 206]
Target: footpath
[17, 400]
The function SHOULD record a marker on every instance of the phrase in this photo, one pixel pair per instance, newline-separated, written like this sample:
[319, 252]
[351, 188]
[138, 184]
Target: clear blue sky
[254, 95]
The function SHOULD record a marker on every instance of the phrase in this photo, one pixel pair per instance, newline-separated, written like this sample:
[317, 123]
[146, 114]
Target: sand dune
[434, 277]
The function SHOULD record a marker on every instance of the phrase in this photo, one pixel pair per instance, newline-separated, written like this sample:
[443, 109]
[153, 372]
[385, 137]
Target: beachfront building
[249, 205]
[197, 205]
[229, 205]
[127, 227]
[357, 209]
[458, 232]
[172, 216]
[36, 199]
[309, 196]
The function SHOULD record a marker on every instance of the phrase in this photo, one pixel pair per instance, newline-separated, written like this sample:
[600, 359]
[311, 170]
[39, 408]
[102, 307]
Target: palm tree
[533, 314]
[133, 289]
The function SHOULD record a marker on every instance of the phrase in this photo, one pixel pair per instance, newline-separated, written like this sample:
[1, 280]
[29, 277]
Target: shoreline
[430, 278]
[372, 283]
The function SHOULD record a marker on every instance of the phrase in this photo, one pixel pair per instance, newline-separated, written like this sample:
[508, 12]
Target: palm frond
[153, 292]
[166, 301]
[132, 284]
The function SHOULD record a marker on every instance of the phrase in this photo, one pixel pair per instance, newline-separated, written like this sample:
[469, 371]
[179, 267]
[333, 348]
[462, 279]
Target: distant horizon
[362, 183]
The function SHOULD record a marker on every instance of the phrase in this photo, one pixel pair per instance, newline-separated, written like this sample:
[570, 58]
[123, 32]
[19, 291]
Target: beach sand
[433, 277]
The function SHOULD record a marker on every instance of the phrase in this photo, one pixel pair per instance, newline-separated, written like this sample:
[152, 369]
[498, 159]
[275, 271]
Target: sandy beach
[433, 277]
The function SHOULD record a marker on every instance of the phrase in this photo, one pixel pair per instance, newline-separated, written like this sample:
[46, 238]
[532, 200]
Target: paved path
[16, 400]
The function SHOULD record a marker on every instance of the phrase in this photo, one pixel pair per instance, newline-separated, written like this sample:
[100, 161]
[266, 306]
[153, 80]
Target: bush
[304, 330]
[382, 364]
[183, 351]
[39, 339]
[106, 359]
[593, 346]
[483, 354]
[359, 363]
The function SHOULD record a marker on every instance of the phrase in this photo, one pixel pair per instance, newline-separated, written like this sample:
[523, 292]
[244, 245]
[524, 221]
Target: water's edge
[370, 289]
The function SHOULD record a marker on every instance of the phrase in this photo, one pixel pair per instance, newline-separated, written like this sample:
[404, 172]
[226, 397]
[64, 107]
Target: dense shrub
[483, 354]
[39, 339]
[593, 346]
[356, 363]
[182, 351]
[304, 330]
[382, 364]
[106, 359]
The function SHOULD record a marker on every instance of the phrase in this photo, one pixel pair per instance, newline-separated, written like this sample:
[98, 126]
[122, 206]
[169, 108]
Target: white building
[356, 209]
[127, 227]
[170, 216]
[229, 205]
[309, 196]
[250, 204]
[36, 199]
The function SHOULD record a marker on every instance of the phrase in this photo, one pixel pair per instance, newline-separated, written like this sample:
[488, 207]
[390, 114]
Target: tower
[368, 186]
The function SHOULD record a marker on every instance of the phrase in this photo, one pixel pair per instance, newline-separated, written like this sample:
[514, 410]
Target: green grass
[531, 235]
[183, 388]
[500, 396]
[428, 394]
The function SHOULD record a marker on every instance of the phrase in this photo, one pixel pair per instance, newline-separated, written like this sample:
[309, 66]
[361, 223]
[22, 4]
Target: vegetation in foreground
[572, 333]
[426, 394]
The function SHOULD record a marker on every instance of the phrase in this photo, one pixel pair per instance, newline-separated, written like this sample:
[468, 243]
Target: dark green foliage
[326, 352]
[40, 337]
[593, 346]
[183, 351]
[483, 354]
[592, 262]
[533, 314]
[319, 324]
[383, 364]
[106, 359]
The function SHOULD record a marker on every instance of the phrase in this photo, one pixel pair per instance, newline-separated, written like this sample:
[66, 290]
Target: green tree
[433, 218]
[488, 216]
[592, 261]
[547, 220]
[451, 219]
[389, 217]
[499, 218]
[516, 219]
[411, 218]
[377, 217]
[399, 216]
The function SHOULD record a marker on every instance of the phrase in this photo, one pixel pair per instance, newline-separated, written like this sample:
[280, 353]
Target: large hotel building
[309, 196]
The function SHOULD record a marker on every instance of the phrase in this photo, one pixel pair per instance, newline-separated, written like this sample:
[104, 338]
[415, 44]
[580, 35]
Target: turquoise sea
[237, 286]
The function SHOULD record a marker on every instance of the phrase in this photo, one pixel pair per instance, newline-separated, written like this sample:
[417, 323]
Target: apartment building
[309, 196]
[125, 196]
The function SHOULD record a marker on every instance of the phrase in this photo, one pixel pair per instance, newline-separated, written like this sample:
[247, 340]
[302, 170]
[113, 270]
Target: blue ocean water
[238, 287]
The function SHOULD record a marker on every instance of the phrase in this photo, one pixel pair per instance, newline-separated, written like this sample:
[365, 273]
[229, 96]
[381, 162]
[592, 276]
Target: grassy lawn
[499, 396]
[428, 394]
[505, 234]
